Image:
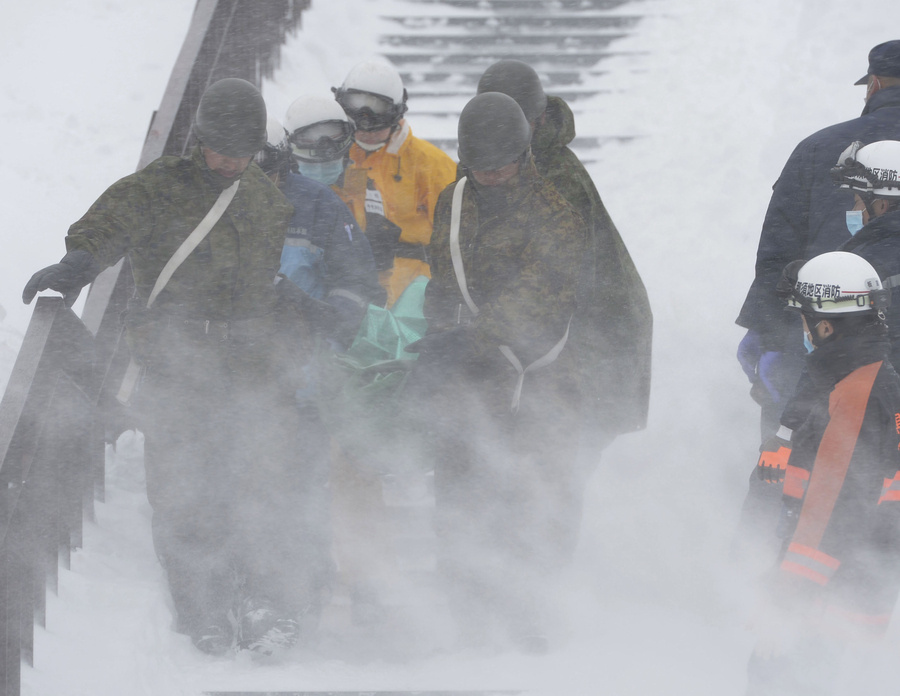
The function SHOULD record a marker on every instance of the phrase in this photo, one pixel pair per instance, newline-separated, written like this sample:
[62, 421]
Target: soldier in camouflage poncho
[613, 326]
[502, 381]
[223, 437]
[611, 330]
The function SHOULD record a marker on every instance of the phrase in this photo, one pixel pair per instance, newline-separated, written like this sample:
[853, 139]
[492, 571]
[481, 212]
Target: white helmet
[835, 283]
[373, 95]
[318, 130]
[275, 155]
[872, 169]
[275, 133]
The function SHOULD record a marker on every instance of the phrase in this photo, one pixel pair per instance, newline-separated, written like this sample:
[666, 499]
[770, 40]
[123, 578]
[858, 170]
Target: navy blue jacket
[806, 215]
[326, 254]
[879, 244]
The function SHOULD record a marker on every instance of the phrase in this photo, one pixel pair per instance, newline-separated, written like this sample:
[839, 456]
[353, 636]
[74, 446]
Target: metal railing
[58, 408]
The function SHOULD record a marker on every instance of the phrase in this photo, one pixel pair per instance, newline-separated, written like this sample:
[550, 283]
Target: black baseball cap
[884, 60]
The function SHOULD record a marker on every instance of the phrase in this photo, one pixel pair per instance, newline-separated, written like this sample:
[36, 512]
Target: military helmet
[519, 81]
[492, 132]
[231, 118]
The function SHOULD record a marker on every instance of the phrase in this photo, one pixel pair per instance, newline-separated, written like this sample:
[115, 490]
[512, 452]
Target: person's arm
[783, 239]
[98, 240]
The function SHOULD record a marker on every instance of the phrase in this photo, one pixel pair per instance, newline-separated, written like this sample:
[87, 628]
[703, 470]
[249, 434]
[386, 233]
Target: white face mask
[371, 147]
[854, 221]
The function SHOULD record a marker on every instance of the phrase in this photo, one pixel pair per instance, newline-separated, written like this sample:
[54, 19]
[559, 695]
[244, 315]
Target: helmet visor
[321, 142]
[369, 112]
[354, 100]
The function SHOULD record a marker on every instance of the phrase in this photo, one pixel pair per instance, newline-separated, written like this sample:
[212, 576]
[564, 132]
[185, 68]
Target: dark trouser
[756, 544]
[504, 503]
[235, 479]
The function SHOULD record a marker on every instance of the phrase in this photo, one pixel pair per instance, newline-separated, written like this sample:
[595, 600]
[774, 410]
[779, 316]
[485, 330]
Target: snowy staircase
[441, 48]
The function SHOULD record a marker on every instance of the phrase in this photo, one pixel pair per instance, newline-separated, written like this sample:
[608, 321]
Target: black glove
[73, 272]
[320, 315]
[452, 344]
[383, 236]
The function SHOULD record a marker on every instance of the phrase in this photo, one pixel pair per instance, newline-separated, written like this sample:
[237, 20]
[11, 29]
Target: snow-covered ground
[717, 92]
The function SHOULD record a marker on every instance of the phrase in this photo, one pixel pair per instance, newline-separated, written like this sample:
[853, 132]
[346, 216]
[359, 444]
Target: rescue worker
[224, 463]
[872, 172]
[496, 384]
[612, 336]
[408, 172]
[325, 253]
[838, 574]
[319, 136]
[869, 171]
[805, 217]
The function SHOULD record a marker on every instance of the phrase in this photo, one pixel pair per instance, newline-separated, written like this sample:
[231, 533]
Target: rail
[58, 410]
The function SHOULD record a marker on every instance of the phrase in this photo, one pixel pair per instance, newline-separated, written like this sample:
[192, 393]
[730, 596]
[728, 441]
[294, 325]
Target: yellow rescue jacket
[410, 173]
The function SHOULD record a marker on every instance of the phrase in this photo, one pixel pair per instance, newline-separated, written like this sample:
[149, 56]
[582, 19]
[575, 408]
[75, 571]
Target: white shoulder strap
[546, 359]
[133, 371]
[455, 251]
[193, 239]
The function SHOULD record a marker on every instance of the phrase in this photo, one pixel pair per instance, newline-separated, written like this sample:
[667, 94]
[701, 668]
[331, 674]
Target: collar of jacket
[392, 147]
[216, 181]
[829, 363]
[513, 191]
[557, 130]
[887, 225]
[884, 97]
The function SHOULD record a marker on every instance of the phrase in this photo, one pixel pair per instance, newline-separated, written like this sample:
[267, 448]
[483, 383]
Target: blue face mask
[323, 172]
[809, 344]
[854, 221]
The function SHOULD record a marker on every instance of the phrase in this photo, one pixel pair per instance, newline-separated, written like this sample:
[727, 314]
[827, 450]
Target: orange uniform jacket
[843, 476]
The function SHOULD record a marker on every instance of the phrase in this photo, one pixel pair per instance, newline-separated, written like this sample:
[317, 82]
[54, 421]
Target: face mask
[807, 342]
[323, 172]
[371, 147]
[854, 221]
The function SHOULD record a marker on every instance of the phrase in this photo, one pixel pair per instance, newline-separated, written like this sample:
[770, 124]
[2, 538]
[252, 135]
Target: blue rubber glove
[749, 353]
[769, 369]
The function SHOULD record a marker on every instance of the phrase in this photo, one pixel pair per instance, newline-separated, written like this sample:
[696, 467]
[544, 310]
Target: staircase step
[362, 693]
[508, 24]
[541, 42]
[528, 5]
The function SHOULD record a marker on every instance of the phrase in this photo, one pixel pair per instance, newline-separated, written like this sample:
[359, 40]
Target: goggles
[321, 142]
[369, 112]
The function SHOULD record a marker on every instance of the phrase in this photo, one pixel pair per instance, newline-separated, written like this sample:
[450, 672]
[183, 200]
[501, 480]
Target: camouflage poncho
[612, 329]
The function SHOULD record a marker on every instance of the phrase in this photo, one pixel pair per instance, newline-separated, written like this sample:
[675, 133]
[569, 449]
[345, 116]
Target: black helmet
[492, 132]
[231, 118]
[519, 81]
